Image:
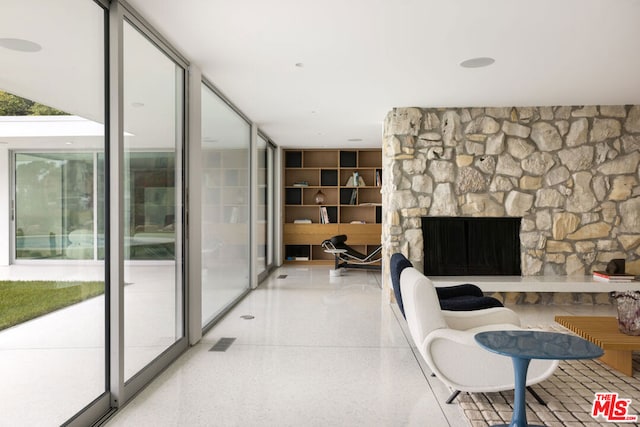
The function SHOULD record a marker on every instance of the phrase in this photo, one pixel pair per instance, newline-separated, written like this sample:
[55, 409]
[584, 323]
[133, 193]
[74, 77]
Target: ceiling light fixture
[20, 45]
[482, 61]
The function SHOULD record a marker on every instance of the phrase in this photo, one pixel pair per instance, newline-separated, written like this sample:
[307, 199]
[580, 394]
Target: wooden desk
[603, 331]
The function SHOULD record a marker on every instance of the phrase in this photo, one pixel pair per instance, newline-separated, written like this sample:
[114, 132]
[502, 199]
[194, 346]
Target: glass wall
[55, 339]
[153, 123]
[52, 304]
[225, 226]
[55, 211]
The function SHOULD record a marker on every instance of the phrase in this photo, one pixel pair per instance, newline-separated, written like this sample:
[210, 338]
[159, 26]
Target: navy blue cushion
[466, 289]
[468, 303]
[463, 297]
[398, 263]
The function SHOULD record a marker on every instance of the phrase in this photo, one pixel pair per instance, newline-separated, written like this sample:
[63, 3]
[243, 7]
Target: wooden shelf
[329, 171]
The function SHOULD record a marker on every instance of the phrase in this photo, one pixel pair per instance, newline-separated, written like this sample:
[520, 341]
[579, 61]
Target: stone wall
[571, 173]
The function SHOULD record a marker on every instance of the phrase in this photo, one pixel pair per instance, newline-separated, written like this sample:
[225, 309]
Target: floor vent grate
[223, 344]
[282, 276]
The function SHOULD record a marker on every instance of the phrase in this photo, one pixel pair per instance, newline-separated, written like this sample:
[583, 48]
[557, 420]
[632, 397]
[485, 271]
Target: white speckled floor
[320, 351]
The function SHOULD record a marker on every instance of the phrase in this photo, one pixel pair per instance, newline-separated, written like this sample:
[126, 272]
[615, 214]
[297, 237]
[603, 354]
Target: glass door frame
[122, 391]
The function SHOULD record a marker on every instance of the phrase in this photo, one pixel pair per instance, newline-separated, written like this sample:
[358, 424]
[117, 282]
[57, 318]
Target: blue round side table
[524, 345]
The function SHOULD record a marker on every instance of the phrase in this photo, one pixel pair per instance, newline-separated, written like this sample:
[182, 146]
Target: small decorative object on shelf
[356, 180]
[319, 197]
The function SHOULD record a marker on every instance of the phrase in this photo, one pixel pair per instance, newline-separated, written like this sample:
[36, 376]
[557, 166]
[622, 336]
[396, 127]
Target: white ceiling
[360, 58]
[363, 57]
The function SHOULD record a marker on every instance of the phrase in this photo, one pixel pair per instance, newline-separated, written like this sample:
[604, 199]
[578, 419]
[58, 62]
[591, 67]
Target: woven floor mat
[569, 394]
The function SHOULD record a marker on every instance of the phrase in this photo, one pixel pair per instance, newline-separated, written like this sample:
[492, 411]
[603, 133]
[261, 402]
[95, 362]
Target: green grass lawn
[24, 300]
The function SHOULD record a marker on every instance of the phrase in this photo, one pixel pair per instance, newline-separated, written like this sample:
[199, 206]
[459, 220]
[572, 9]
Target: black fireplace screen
[471, 246]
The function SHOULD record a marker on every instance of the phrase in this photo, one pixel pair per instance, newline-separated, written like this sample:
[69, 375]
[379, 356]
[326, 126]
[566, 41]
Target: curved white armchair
[446, 341]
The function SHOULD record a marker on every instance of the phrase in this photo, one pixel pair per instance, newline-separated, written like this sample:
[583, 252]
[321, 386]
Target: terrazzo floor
[310, 350]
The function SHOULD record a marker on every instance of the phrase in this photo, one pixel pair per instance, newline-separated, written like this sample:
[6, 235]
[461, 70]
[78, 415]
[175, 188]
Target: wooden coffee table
[603, 331]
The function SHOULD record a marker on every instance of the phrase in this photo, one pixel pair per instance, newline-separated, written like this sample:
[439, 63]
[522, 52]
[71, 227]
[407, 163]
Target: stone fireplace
[571, 173]
[471, 246]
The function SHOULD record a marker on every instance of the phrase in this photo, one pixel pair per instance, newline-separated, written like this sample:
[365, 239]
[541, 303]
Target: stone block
[622, 187]
[627, 164]
[518, 203]
[632, 124]
[629, 241]
[584, 247]
[516, 129]
[556, 246]
[562, 298]
[602, 298]
[508, 166]
[613, 111]
[464, 160]
[603, 129]
[597, 230]
[530, 182]
[546, 137]
[495, 144]
[577, 133]
[531, 298]
[403, 121]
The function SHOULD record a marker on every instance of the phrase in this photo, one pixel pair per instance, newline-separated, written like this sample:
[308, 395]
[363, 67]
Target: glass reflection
[153, 105]
[52, 304]
[225, 211]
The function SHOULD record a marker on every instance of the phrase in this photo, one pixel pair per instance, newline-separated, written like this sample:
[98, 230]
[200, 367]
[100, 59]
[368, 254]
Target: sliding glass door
[52, 282]
[225, 196]
[153, 105]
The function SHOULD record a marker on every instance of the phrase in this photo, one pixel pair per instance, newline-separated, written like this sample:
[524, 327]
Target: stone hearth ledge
[542, 289]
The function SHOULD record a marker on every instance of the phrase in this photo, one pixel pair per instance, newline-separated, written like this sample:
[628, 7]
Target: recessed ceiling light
[354, 139]
[20, 45]
[69, 143]
[482, 61]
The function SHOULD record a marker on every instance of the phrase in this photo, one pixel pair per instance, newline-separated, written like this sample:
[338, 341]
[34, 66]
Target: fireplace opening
[456, 246]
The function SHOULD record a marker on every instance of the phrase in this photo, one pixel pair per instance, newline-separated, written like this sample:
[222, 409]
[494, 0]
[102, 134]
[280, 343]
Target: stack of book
[616, 277]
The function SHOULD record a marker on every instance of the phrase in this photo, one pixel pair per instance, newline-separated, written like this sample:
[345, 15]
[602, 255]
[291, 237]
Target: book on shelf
[301, 184]
[302, 221]
[324, 215]
[354, 195]
[616, 277]
[301, 258]
[378, 178]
